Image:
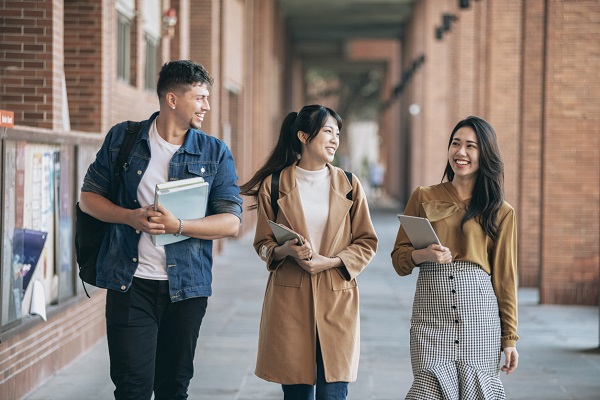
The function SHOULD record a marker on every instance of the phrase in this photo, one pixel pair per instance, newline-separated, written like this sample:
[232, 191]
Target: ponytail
[284, 154]
[309, 120]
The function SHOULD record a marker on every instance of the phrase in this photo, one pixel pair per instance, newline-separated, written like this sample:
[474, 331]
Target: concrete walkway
[559, 357]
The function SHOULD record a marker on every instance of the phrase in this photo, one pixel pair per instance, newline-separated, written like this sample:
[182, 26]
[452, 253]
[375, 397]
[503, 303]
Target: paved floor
[559, 357]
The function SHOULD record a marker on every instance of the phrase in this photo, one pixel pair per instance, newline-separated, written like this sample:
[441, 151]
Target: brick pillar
[430, 145]
[31, 62]
[83, 63]
[504, 42]
[530, 199]
[571, 166]
[205, 41]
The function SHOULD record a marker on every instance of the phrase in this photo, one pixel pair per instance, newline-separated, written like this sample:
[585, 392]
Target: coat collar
[290, 204]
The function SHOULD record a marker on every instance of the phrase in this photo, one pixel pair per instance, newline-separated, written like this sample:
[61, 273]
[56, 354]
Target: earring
[173, 107]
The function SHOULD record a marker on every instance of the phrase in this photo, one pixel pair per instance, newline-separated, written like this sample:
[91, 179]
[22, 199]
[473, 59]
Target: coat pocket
[288, 274]
[338, 282]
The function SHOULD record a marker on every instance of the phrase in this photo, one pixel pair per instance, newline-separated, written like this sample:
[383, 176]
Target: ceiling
[320, 28]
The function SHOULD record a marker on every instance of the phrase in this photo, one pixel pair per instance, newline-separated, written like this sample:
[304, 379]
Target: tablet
[419, 231]
[283, 233]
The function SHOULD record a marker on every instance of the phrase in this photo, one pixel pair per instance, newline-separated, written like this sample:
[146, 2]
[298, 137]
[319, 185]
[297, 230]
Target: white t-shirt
[152, 259]
[314, 187]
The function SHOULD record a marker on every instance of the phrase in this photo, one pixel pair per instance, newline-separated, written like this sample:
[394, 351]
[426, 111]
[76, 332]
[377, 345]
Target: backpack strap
[275, 190]
[133, 130]
[349, 176]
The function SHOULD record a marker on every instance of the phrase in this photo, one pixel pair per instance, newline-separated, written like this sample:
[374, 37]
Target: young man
[157, 296]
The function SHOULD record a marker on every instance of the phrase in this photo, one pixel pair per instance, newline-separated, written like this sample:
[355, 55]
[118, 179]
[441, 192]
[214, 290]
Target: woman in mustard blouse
[465, 306]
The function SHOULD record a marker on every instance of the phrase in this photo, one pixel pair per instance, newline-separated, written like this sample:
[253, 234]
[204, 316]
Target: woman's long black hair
[488, 193]
[309, 120]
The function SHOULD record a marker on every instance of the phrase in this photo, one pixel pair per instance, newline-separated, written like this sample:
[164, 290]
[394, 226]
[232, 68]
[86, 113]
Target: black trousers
[152, 341]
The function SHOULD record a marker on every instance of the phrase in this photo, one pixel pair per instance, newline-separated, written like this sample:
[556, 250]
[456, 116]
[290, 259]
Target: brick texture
[571, 166]
[530, 163]
[530, 69]
[31, 58]
[83, 66]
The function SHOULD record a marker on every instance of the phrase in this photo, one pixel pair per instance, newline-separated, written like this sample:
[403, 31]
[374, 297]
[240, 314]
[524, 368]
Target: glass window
[123, 48]
[37, 226]
[151, 63]
[151, 14]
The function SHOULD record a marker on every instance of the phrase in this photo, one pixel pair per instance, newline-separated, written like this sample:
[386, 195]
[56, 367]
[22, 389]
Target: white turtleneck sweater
[314, 187]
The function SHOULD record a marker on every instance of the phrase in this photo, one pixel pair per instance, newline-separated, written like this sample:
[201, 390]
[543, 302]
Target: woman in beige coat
[310, 326]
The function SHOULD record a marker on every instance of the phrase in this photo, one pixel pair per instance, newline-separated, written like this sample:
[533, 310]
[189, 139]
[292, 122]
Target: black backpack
[89, 231]
[275, 191]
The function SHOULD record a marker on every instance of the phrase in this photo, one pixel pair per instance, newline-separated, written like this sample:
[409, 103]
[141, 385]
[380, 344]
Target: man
[157, 296]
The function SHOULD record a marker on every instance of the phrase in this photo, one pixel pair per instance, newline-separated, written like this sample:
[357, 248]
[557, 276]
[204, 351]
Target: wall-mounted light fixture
[169, 22]
[464, 3]
[447, 20]
[439, 32]
[407, 75]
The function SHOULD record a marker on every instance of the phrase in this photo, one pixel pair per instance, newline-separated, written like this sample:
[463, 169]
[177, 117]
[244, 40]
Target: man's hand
[144, 219]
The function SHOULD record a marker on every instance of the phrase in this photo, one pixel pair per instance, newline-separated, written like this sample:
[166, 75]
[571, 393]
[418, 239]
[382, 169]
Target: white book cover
[186, 199]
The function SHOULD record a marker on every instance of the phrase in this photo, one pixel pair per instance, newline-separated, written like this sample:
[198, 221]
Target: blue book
[186, 199]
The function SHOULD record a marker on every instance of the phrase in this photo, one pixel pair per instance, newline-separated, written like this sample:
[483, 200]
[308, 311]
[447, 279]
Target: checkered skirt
[455, 336]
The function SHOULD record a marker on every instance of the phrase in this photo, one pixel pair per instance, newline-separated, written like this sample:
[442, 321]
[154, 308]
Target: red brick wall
[411, 126]
[531, 69]
[205, 17]
[571, 166]
[83, 55]
[504, 76]
[124, 100]
[65, 336]
[530, 179]
[432, 142]
[179, 49]
[466, 38]
[31, 60]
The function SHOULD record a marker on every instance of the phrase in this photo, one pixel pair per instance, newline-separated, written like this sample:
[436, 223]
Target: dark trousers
[152, 341]
[325, 390]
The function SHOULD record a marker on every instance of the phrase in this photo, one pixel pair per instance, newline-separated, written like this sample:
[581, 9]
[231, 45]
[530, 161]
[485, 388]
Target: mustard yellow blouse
[445, 210]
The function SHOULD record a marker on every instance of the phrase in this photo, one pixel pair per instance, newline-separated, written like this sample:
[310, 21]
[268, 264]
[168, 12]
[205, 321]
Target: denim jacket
[189, 262]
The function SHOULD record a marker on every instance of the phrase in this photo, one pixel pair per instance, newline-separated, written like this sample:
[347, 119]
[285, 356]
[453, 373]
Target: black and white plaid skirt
[455, 336]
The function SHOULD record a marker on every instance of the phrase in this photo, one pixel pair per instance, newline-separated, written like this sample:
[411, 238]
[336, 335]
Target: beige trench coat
[296, 304]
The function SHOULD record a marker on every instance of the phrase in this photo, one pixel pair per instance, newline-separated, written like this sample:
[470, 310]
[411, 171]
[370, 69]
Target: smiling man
[157, 295]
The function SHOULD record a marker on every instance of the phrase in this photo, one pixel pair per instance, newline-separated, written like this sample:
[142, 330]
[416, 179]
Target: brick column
[530, 164]
[571, 167]
[83, 63]
[31, 62]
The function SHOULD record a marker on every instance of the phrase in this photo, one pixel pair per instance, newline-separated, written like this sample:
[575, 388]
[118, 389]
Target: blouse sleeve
[402, 253]
[503, 261]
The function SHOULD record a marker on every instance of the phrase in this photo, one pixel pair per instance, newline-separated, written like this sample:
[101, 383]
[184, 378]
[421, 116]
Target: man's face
[192, 105]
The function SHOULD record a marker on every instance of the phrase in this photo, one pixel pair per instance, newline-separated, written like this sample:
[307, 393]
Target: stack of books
[185, 198]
